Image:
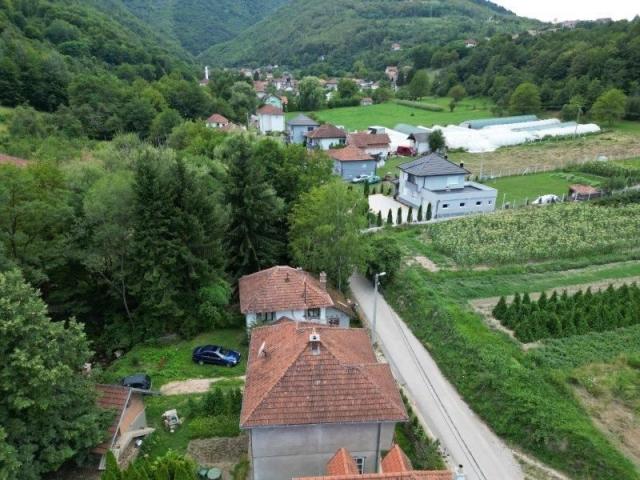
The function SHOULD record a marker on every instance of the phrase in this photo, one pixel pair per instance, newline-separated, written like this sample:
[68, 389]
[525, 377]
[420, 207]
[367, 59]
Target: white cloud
[551, 10]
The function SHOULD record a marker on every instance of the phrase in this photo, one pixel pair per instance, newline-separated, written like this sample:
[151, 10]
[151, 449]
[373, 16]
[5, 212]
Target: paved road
[466, 439]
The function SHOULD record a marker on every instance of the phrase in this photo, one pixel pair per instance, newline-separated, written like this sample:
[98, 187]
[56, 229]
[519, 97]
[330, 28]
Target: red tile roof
[396, 461]
[364, 139]
[281, 288]
[111, 397]
[395, 466]
[350, 153]
[326, 131]
[342, 463]
[293, 381]
[217, 118]
[269, 109]
[9, 160]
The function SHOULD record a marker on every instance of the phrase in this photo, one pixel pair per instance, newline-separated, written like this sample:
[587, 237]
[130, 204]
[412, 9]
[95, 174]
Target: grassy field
[526, 397]
[165, 363]
[389, 114]
[516, 190]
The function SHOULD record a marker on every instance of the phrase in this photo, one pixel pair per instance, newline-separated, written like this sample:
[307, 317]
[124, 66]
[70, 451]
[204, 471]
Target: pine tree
[526, 300]
[428, 211]
[399, 216]
[420, 213]
[410, 215]
[379, 219]
[366, 189]
[389, 218]
[542, 301]
[500, 309]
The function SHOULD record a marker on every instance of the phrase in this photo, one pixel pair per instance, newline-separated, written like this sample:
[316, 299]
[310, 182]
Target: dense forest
[570, 67]
[329, 37]
[198, 24]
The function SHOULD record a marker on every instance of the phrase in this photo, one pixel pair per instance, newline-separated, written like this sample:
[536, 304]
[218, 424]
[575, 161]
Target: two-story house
[298, 126]
[311, 390]
[326, 136]
[270, 119]
[433, 179]
[284, 291]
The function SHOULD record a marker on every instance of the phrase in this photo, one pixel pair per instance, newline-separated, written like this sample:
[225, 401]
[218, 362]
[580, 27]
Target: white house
[326, 136]
[311, 390]
[270, 119]
[282, 291]
[433, 179]
[217, 121]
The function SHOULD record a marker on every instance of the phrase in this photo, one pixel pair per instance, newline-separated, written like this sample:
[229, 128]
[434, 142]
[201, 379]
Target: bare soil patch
[223, 453]
[425, 263]
[194, 385]
[617, 421]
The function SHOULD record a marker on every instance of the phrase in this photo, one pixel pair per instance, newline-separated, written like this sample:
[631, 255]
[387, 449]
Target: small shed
[419, 141]
[217, 121]
[579, 192]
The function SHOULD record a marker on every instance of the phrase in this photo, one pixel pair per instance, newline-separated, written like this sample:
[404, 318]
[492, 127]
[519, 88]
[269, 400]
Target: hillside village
[417, 258]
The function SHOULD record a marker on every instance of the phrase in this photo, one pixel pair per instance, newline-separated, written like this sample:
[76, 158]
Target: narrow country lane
[466, 439]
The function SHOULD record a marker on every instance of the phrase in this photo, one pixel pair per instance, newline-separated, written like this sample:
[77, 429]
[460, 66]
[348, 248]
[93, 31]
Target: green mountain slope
[342, 31]
[198, 24]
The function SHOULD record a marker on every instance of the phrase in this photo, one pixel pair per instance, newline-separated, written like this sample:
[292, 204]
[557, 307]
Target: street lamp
[376, 283]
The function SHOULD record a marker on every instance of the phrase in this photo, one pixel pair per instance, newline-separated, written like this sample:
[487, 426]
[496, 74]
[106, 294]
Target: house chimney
[446, 156]
[206, 72]
[314, 340]
[323, 280]
[461, 164]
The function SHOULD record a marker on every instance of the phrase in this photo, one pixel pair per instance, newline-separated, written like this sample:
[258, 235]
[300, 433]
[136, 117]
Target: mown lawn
[390, 114]
[168, 362]
[516, 190]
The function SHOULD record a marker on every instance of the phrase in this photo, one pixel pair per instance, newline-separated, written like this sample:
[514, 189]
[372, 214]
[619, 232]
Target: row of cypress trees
[419, 218]
[565, 315]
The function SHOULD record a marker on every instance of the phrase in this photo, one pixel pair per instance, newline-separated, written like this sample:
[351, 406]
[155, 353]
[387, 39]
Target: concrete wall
[296, 133]
[349, 170]
[271, 123]
[343, 318]
[301, 451]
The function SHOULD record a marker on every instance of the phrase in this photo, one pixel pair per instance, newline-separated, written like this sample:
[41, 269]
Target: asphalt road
[463, 436]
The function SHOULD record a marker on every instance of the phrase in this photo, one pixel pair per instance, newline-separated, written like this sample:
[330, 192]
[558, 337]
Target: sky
[551, 10]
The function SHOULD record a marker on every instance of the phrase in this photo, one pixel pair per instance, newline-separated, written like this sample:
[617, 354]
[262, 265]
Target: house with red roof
[129, 419]
[325, 137]
[351, 161]
[283, 291]
[310, 390]
[376, 143]
[217, 121]
[270, 119]
[394, 466]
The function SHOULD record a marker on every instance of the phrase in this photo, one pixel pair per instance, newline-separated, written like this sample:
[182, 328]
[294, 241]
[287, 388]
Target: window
[334, 322]
[478, 202]
[489, 202]
[462, 204]
[313, 313]
[411, 179]
[360, 464]
[266, 316]
[445, 205]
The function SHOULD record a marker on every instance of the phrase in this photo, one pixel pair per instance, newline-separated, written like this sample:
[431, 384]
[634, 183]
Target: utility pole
[376, 283]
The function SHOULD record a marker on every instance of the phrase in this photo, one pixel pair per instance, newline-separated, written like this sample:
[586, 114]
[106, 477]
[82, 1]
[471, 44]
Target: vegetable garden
[563, 315]
[539, 233]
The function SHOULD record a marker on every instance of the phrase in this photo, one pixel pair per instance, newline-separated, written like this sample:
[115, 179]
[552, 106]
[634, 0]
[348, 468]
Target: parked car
[360, 178]
[405, 151]
[546, 199]
[373, 179]
[215, 355]
[138, 380]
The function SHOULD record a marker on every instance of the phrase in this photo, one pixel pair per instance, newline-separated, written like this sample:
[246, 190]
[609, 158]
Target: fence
[512, 172]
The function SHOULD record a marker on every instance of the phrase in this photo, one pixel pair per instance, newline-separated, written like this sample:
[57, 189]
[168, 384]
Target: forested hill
[199, 24]
[569, 66]
[46, 44]
[334, 33]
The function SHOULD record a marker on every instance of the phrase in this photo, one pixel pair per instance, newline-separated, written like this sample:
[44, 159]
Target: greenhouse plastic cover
[491, 138]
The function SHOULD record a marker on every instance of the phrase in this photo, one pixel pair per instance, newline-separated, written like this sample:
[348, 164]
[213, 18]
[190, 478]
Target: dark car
[139, 380]
[215, 355]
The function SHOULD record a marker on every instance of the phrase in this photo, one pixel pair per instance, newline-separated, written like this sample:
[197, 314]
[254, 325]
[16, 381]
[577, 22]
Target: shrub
[214, 426]
[420, 106]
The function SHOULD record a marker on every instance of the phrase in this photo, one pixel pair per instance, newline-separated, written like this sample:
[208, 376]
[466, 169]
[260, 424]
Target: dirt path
[424, 262]
[194, 385]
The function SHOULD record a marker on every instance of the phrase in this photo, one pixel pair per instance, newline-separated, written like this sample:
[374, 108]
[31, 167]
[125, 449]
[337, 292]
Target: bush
[420, 106]
[220, 402]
